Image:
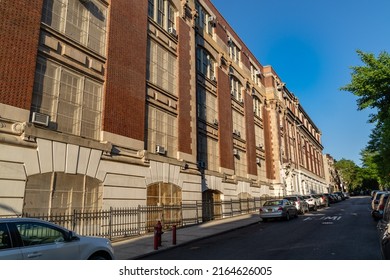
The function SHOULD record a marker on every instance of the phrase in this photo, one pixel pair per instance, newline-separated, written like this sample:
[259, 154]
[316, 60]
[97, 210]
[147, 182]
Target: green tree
[370, 82]
[350, 173]
[370, 170]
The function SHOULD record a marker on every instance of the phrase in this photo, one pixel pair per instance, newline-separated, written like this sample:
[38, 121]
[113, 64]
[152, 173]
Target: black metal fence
[117, 223]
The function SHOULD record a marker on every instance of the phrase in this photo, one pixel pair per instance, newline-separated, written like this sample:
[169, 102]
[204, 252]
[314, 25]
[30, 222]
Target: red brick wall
[250, 135]
[225, 122]
[19, 35]
[184, 50]
[269, 162]
[124, 108]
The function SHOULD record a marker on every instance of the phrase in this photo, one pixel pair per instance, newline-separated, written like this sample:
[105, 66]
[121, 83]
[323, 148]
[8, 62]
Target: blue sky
[312, 45]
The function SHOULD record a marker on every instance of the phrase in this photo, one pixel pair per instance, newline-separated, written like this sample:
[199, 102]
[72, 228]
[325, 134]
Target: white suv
[34, 239]
[313, 201]
[299, 203]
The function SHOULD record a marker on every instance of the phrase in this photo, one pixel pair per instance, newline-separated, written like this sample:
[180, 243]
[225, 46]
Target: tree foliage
[349, 173]
[370, 82]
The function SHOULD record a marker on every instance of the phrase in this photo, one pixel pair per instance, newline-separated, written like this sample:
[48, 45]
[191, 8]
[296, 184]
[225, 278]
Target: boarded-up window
[62, 193]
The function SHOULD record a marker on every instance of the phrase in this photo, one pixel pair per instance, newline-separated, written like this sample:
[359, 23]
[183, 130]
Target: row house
[123, 103]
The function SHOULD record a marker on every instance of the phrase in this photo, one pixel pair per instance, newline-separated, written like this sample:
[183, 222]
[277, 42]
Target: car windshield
[273, 203]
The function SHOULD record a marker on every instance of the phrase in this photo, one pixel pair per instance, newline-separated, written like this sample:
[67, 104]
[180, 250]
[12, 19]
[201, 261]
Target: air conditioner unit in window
[258, 160]
[257, 73]
[215, 122]
[235, 152]
[172, 31]
[40, 119]
[160, 150]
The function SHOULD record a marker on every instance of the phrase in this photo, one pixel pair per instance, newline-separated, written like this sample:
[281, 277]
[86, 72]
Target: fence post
[74, 220]
[139, 219]
[110, 224]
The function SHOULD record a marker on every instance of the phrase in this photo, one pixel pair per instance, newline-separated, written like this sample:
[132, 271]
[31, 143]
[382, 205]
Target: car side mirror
[71, 236]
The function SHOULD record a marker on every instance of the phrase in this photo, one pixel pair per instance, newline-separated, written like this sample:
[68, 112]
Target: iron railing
[117, 223]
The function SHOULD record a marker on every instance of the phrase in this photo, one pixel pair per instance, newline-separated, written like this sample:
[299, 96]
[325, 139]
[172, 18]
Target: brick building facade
[124, 103]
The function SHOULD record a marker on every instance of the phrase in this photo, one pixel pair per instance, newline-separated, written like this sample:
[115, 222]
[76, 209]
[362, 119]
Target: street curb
[191, 241]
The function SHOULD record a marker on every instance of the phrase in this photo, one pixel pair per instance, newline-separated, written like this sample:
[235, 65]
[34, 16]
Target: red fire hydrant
[157, 235]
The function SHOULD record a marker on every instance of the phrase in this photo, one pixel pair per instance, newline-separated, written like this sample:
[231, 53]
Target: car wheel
[99, 256]
[264, 220]
[315, 208]
[287, 216]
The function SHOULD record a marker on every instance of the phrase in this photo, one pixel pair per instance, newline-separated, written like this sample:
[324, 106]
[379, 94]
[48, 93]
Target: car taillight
[280, 209]
[381, 206]
[261, 209]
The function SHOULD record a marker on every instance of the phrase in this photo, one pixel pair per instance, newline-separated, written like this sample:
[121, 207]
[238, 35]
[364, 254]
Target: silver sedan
[278, 208]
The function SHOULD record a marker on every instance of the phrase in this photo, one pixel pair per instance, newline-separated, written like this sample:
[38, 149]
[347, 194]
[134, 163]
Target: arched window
[58, 192]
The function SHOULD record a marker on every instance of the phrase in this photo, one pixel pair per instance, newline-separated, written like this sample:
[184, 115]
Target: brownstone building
[119, 103]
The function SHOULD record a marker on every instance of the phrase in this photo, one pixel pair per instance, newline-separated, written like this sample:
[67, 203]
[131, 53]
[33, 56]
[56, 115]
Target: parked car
[384, 232]
[375, 200]
[373, 193]
[299, 202]
[34, 239]
[313, 201]
[330, 197]
[324, 202]
[377, 213]
[278, 208]
[340, 194]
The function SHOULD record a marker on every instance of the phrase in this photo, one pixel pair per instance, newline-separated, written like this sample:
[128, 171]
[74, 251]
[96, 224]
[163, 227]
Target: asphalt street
[343, 231]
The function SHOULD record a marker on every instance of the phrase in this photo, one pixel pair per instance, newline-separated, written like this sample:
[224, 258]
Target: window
[163, 13]
[83, 22]
[204, 20]
[239, 124]
[256, 106]
[207, 105]
[162, 131]
[205, 63]
[72, 101]
[170, 197]
[235, 87]
[255, 74]
[240, 164]
[161, 67]
[39, 233]
[259, 136]
[5, 239]
[234, 52]
[59, 192]
[208, 152]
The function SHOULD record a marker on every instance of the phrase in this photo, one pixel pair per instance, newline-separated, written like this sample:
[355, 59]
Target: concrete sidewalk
[140, 246]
